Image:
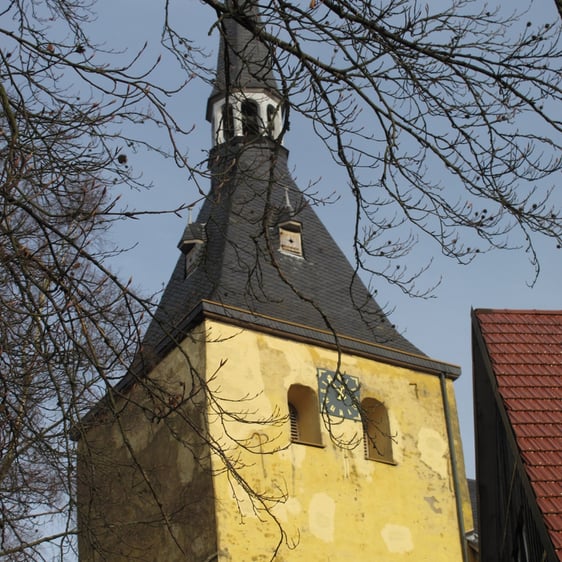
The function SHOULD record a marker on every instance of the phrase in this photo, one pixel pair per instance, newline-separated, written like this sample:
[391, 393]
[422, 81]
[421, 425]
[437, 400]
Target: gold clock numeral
[341, 392]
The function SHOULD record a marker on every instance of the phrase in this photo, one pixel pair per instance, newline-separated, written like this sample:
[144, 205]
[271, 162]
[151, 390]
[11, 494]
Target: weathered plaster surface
[143, 478]
[433, 450]
[302, 502]
[321, 516]
[398, 538]
[333, 503]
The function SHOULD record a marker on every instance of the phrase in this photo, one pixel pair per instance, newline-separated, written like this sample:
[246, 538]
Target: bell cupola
[245, 101]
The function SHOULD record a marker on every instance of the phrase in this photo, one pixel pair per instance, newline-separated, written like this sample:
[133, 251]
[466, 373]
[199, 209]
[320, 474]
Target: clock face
[338, 395]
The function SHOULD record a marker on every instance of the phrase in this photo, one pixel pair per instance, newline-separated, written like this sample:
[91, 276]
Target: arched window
[250, 118]
[376, 431]
[271, 118]
[303, 415]
[294, 419]
[227, 121]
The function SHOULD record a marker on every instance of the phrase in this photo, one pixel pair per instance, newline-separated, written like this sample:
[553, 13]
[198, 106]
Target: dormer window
[191, 246]
[290, 238]
[192, 258]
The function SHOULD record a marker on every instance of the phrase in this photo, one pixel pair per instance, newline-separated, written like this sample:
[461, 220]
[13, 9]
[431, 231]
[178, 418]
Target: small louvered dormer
[290, 238]
[191, 245]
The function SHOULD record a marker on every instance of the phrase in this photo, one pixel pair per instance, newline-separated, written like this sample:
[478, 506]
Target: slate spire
[245, 100]
[244, 62]
[252, 259]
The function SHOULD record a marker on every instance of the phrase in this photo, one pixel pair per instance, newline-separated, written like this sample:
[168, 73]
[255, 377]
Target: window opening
[271, 115]
[303, 415]
[290, 238]
[250, 118]
[227, 121]
[294, 419]
[376, 431]
[192, 258]
[191, 245]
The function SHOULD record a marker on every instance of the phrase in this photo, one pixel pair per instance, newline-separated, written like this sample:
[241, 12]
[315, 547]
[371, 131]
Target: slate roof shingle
[240, 270]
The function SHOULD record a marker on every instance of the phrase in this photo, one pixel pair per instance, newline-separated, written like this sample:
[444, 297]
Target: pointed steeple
[245, 100]
[258, 255]
[244, 62]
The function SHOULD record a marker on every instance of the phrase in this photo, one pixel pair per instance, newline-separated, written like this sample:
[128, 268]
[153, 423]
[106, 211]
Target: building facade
[273, 412]
[517, 358]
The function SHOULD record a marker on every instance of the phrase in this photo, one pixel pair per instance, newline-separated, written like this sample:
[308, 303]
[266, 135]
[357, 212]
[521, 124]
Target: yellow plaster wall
[148, 490]
[143, 476]
[327, 503]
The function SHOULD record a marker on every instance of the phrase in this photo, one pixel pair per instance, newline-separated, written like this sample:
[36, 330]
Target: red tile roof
[525, 348]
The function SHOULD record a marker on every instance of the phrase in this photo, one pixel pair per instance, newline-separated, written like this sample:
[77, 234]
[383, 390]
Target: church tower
[273, 412]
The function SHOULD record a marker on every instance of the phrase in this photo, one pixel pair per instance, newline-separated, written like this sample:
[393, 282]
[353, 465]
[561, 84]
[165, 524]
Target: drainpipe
[454, 466]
